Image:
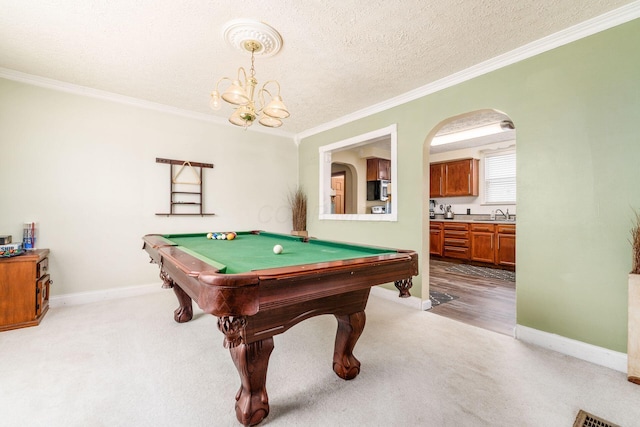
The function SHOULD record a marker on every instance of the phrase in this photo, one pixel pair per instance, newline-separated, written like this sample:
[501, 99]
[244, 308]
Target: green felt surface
[249, 252]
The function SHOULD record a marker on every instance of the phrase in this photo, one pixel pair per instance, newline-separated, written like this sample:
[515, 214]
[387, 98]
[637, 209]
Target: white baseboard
[578, 349]
[391, 295]
[103, 295]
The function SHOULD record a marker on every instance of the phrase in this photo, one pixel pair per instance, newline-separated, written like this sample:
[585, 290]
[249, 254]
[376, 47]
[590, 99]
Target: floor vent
[585, 419]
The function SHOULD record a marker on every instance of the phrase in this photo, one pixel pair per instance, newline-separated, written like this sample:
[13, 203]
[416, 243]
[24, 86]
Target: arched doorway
[469, 235]
[343, 188]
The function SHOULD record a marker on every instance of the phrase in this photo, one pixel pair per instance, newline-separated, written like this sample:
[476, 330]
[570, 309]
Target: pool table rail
[237, 294]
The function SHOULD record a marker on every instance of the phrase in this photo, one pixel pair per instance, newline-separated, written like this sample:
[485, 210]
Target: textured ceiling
[338, 56]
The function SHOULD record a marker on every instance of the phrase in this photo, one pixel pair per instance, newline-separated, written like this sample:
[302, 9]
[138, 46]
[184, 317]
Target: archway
[472, 243]
[347, 175]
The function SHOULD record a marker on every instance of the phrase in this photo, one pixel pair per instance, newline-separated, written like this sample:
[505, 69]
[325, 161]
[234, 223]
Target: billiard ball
[277, 249]
[209, 235]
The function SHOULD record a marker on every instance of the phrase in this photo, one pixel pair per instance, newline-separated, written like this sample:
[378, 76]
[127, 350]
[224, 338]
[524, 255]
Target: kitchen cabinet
[24, 289]
[483, 246]
[506, 245]
[454, 178]
[436, 176]
[461, 178]
[456, 240]
[482, 242]
[378, 169]
[436, 238]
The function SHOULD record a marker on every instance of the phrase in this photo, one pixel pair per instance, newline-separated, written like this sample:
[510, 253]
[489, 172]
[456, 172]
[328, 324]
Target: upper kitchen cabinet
[461, 178]
[454, 178]
[378, 169]
[436, 181]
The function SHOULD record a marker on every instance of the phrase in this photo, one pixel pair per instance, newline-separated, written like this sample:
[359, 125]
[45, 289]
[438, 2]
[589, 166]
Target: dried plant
[298, 203]
[635, 245]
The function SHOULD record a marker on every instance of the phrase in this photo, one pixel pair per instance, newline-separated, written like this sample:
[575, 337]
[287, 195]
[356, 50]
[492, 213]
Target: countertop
[474, 219]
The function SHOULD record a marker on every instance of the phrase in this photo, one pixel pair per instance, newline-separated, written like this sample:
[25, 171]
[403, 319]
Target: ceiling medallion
[237, 33]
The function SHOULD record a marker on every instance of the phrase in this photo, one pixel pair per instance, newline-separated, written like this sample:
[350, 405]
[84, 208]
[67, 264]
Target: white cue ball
[277, 249]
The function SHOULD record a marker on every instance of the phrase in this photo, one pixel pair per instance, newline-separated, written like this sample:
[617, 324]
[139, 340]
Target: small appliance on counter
[379, 209]
[432, 209]
[448, 213]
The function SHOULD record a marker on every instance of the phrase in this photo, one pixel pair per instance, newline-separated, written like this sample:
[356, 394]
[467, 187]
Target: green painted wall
[577, 115]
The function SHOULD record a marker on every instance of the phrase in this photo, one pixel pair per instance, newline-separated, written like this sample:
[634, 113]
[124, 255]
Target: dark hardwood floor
[483, 302]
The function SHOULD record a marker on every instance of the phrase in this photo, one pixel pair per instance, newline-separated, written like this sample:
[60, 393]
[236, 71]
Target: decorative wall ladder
[181, 185]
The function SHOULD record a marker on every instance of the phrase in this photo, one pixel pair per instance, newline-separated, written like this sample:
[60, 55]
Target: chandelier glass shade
[268, 108]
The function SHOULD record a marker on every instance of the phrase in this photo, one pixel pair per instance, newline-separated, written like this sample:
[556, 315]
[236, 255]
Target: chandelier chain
[253, 70]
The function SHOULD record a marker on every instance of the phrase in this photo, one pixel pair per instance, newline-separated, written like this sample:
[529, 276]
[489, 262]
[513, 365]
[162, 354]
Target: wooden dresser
[24, 289]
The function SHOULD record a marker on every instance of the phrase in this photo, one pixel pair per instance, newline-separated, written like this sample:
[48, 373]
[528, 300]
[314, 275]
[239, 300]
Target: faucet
[505, 215]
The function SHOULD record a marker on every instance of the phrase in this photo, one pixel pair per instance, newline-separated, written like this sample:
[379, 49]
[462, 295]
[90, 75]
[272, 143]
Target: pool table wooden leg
[403, 286]
[350, 327]
[184, 313]
[252, 361]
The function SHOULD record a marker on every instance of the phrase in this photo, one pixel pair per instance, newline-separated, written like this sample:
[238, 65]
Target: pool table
[256, 294]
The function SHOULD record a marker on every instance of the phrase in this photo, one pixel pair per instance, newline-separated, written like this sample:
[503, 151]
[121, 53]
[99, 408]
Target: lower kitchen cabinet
[456, 240]
[506, 245]
[493, 244]
[436, 238]
[483, 248]
[24, 289]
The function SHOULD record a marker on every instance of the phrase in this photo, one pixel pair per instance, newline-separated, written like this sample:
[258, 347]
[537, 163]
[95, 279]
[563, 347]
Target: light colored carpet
[127, 363]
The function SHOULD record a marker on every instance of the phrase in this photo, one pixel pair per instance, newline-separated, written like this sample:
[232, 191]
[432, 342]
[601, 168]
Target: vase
[633, 337]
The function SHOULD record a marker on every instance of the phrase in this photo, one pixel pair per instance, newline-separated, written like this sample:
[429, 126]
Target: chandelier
[259, 39]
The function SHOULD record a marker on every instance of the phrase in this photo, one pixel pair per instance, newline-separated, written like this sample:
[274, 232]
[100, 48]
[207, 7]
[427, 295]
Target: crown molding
[127, 100]
[587, 28]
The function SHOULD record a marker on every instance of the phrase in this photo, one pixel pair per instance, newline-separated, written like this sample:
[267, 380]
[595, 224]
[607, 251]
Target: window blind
[500, 178]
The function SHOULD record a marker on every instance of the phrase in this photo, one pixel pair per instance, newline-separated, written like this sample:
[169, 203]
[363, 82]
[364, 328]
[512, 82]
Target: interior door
[337, 184]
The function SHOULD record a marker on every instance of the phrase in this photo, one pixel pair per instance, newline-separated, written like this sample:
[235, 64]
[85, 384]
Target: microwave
[378, 190]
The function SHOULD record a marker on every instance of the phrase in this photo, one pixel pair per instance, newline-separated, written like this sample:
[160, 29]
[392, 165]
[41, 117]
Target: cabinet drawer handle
[459, 241]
